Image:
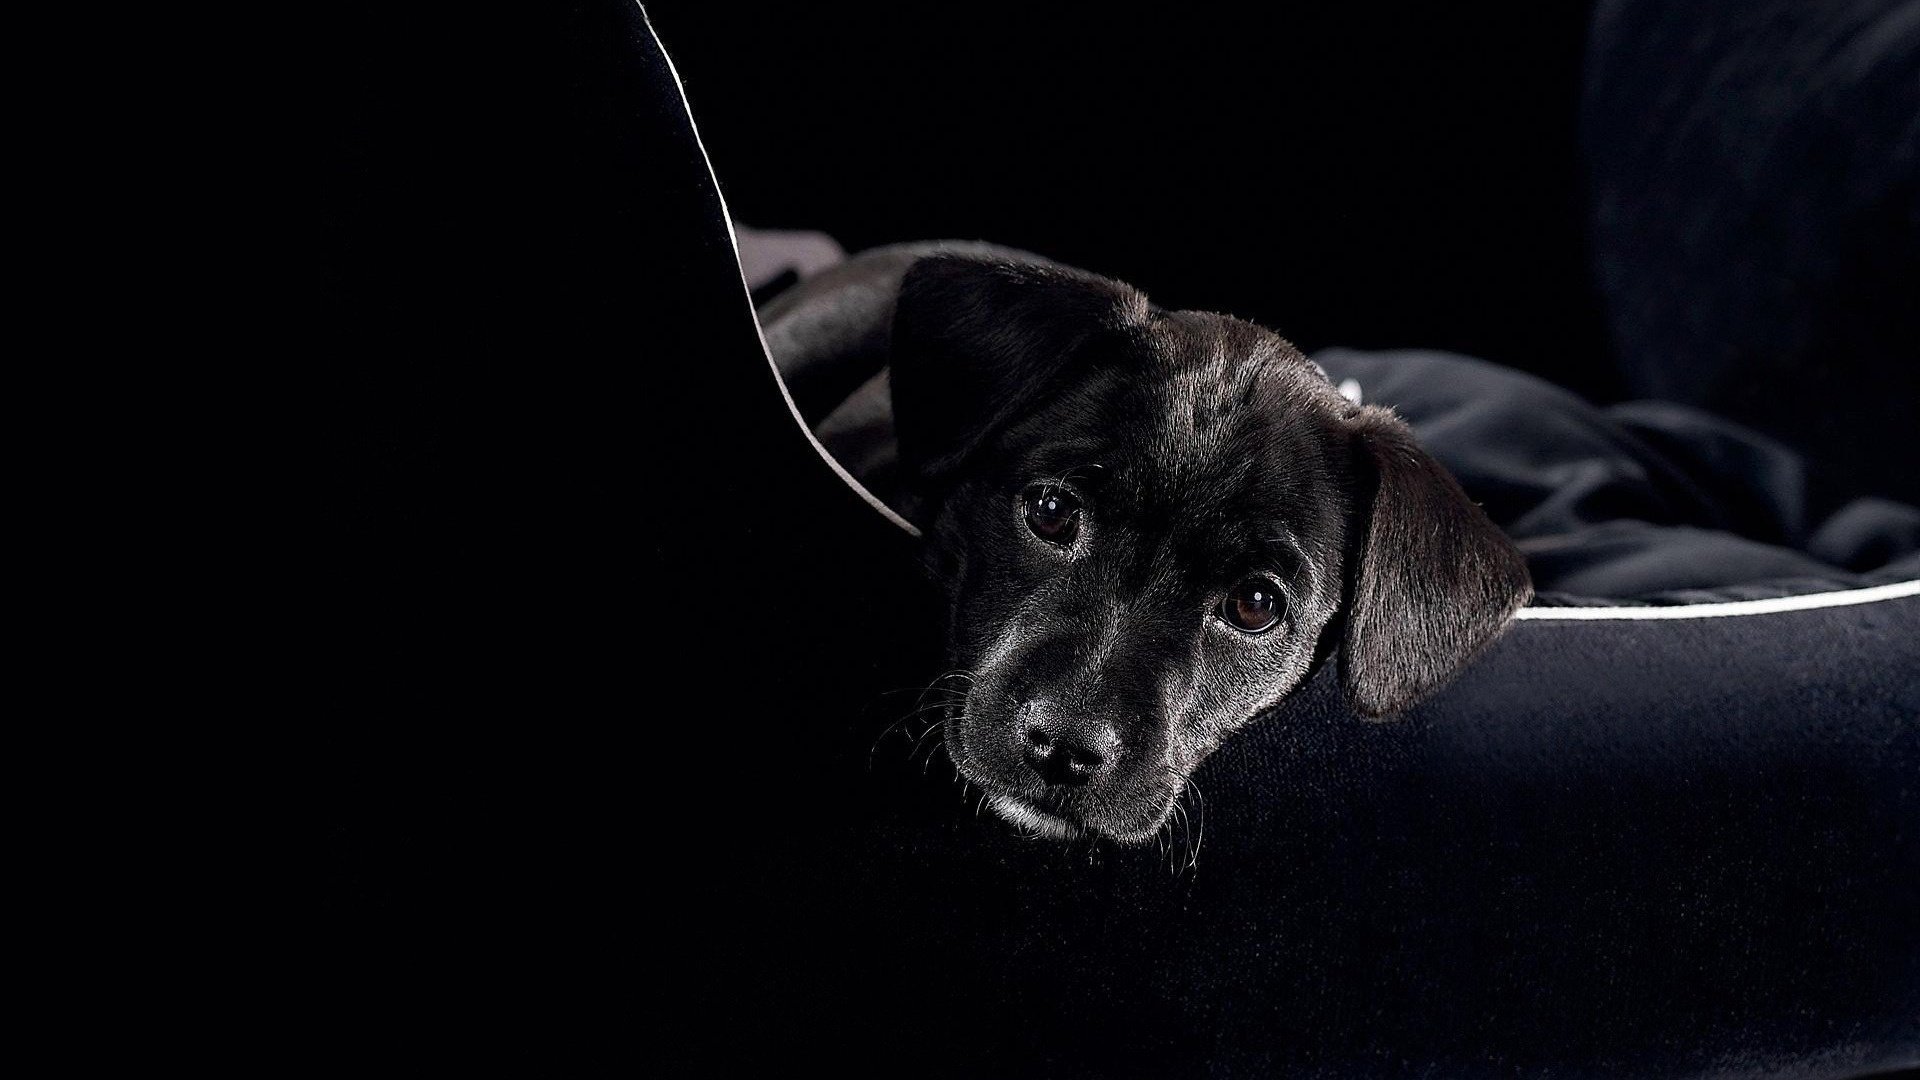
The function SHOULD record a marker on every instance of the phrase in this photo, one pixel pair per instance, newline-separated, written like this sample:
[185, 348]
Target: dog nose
[1067, 754]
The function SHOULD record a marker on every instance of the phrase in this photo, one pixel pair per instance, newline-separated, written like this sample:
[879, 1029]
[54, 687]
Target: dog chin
[1032, 820]
[1045, 825]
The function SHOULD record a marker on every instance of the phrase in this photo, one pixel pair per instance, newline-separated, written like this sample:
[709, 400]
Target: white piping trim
[1772, 605]
[746, 292]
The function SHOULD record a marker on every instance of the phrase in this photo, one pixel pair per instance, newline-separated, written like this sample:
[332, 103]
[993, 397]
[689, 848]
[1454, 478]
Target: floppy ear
[1433, 581]
[977, 339]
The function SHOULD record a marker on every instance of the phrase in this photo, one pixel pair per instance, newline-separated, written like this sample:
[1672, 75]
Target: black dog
[1151, 525]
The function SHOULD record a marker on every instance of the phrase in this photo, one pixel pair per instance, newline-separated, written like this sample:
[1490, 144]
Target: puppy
[1151, 526]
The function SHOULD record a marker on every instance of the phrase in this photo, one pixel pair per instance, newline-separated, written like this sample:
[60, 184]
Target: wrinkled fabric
[1644, 501]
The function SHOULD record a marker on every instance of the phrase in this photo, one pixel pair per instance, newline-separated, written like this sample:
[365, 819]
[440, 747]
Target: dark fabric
[1755, 177]
[599, 657]
[1644, 501]
[577, 586]
[1646, 849]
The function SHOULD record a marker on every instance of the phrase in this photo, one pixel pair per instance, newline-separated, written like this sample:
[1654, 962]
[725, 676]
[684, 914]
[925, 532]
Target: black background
[1369, 174]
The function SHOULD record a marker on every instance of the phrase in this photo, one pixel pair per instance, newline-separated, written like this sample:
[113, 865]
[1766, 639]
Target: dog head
[1151, 526]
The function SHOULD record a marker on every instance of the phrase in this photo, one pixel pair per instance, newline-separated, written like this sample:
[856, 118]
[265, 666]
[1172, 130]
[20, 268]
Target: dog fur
[1202, 453]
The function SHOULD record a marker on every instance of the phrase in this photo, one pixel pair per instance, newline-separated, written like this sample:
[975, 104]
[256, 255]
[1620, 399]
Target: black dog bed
[1661, 828]
[624, 643]
[1702, 721]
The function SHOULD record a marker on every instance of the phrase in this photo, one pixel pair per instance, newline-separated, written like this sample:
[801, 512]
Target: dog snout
[1063, 750]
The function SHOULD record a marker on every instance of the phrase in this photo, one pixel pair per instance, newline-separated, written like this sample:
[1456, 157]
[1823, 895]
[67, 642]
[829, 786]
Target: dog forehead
[1219, 396]
[1212, 435]
[1186, 340]
[1194, 417]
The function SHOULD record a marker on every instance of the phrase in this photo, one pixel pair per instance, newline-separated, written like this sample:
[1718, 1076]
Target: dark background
[1359, 174]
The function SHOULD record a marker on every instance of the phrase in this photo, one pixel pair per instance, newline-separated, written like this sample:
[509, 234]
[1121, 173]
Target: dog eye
[1254, 605]
[1053, 513]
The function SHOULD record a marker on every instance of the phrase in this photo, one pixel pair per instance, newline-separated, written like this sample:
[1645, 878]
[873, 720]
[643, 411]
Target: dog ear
[977, 339]
[1434, 580]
